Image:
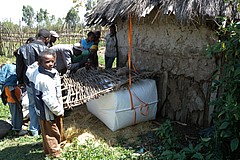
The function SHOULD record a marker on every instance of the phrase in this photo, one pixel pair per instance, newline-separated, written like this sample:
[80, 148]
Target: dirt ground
[80, 123]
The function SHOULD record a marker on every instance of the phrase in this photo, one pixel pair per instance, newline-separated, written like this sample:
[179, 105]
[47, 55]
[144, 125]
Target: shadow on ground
[23, 152]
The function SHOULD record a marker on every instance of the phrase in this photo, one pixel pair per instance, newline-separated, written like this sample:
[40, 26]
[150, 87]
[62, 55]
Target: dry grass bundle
[84, 125]
[185, 11]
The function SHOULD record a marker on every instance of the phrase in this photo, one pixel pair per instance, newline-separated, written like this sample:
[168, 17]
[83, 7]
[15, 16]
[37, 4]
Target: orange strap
[130, 64]
[141, 106]
[135, 70]
[130, 48]
[132, 105]
[146, 112]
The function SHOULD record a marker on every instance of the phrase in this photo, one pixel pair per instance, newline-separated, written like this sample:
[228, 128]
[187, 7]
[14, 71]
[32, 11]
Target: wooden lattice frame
[78, 88]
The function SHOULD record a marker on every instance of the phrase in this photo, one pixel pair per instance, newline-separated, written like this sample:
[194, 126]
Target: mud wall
[176, 52]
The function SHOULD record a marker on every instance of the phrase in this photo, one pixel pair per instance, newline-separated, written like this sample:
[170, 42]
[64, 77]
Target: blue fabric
[6, 71]
[34, 125]
[44, 71]
[86, 45]
[109, 62]
[17, 116]
[11, 80]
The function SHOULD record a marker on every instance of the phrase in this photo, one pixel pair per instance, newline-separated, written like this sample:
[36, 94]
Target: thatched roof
[185, 11]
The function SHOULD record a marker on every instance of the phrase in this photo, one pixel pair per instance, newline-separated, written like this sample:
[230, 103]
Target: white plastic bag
[115, 110]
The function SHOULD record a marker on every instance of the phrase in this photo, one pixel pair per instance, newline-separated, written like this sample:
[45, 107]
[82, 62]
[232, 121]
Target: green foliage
[172, 150]
[28, 15]
[224, 142]
[42, 15]
[7, 26]
[227, 108]
[72, 18]
[90, 4]
[165, 132]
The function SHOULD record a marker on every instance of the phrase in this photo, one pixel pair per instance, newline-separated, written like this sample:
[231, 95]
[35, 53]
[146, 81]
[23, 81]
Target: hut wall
[176, 52]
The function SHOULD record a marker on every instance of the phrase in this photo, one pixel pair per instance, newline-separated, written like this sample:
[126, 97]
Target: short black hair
[44, 33]
[46, 52]
[30, 40]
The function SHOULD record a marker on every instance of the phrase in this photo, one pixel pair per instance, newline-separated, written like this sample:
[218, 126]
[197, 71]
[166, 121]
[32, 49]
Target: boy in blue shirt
[11, 95]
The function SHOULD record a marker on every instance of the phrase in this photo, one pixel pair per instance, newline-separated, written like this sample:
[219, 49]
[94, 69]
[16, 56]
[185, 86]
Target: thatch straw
[185, 11]
[82, 124]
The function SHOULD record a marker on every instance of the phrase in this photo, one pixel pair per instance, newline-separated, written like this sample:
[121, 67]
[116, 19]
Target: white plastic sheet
[115, 109]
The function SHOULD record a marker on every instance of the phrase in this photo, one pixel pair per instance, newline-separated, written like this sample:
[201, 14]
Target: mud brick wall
[177, 53]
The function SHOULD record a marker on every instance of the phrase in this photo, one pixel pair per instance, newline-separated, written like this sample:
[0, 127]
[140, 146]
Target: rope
[132, 105]
[130, 66]
[130, 48]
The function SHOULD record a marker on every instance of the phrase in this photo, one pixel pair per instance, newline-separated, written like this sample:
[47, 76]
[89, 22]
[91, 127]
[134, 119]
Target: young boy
[11, 95]
[89, 41]
[46, 84]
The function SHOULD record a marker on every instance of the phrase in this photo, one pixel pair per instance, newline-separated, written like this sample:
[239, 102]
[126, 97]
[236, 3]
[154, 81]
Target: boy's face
[47, 62]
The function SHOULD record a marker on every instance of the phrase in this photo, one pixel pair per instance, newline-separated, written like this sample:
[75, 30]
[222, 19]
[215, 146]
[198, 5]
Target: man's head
[77, 49]
[47, 59]
[54, 36]
[44, 35]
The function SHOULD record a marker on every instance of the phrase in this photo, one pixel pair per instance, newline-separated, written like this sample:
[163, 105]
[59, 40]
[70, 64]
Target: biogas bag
[126, 107]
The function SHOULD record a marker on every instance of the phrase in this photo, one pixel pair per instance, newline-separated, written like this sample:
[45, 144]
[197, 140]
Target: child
[89, 41]
[96, 43]
[11, 95]
[46, 84]
[111, 47]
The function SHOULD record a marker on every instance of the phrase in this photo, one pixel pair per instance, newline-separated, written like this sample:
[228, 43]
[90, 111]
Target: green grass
[4, 111]
[4, 59]
[97, 150]
[27, 147]
[21, 148]
[101, 61]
